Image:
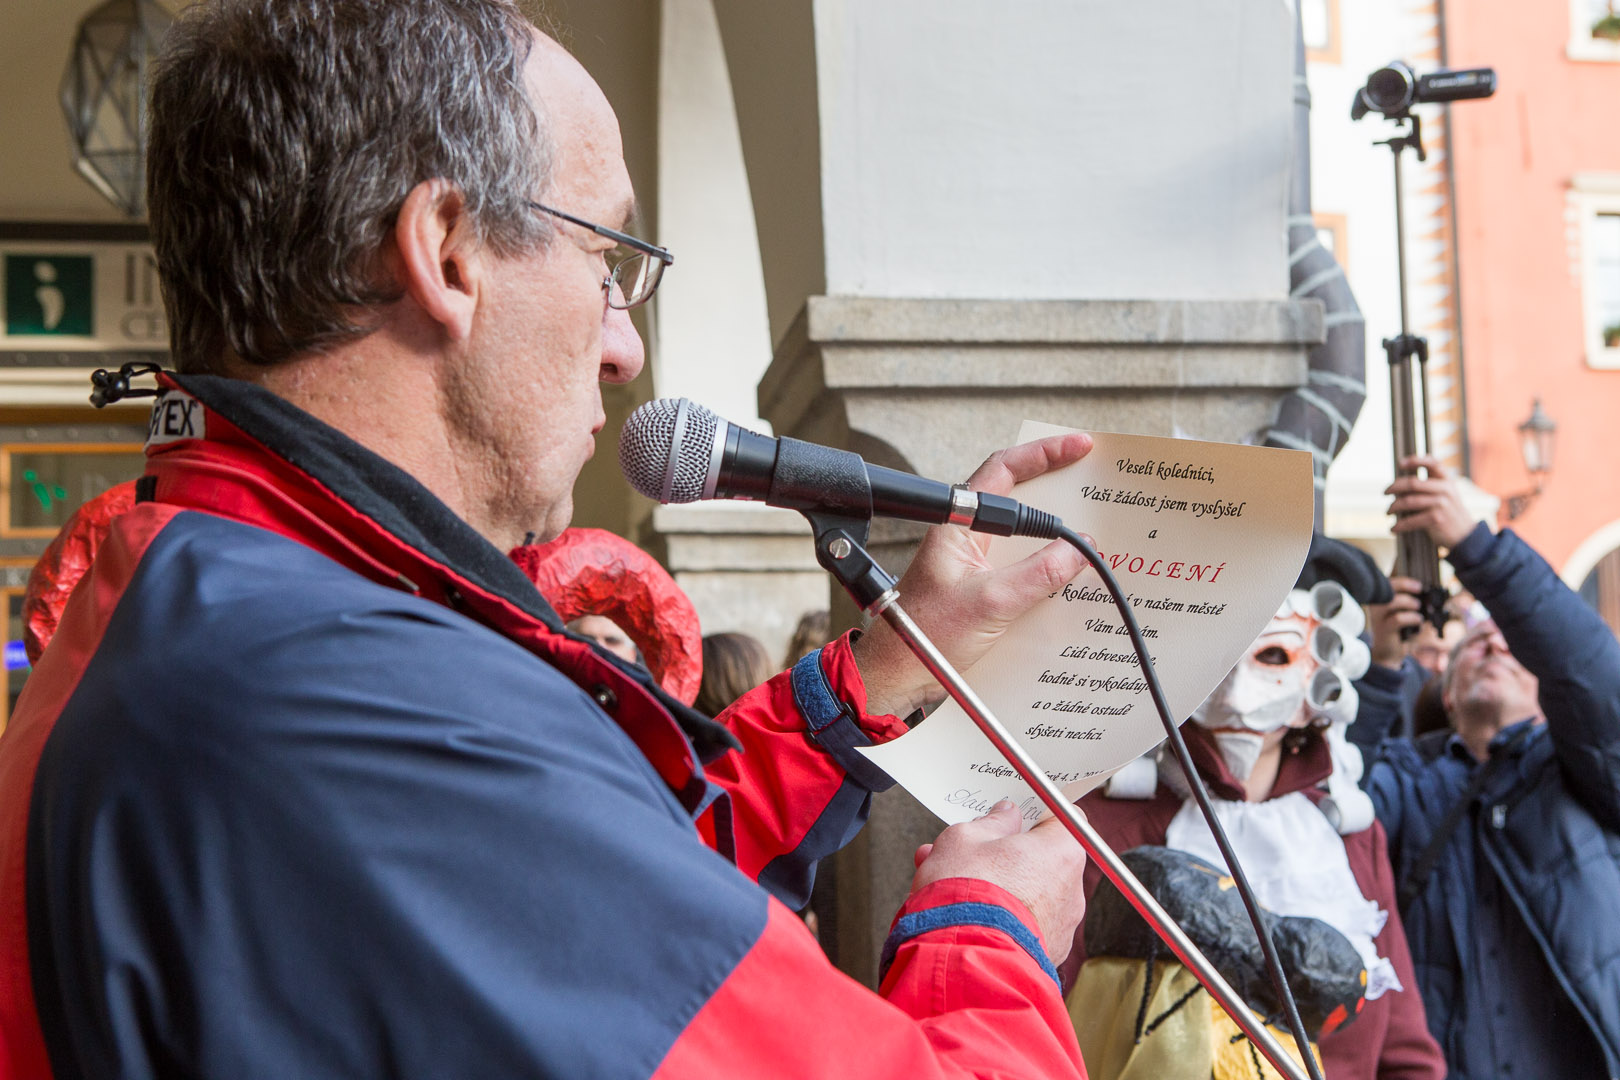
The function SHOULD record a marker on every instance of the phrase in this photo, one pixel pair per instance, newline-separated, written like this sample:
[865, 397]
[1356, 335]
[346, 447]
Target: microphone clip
[841, 551]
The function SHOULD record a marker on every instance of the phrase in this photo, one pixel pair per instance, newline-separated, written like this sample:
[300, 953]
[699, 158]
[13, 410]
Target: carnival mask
[1298, 671]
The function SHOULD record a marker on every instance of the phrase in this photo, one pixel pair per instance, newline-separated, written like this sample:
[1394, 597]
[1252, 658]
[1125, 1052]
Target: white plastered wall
[714, 339]
[1055, 149]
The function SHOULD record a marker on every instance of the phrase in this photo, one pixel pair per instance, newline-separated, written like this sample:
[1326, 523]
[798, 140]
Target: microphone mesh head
[647, 444]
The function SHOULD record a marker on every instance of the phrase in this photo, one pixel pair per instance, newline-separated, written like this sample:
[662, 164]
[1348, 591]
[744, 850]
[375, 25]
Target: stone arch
[1594, 571]
[1589, 553]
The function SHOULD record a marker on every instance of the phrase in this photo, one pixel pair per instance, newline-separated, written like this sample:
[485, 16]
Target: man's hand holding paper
[962, 600]
[1205, 540]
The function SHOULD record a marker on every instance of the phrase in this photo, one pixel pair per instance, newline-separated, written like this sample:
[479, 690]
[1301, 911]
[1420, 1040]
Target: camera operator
[1506, 840]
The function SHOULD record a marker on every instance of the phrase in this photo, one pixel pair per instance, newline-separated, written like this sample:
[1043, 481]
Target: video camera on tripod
[1392, 91]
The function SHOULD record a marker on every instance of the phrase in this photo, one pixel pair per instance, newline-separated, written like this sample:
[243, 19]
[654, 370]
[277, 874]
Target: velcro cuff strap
[965, 914]
[832, 725]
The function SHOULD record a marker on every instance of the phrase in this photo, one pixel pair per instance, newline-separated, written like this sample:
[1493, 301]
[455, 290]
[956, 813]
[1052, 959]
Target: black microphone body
[667, 444]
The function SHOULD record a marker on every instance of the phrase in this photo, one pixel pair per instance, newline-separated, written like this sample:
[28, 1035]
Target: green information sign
[50, 295]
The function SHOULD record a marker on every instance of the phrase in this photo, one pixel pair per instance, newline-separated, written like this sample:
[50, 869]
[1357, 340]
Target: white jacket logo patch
[176, 415]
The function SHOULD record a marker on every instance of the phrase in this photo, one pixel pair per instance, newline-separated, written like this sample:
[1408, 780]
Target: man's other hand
[1386, 621]
[1043, 868]
[956, 597]
[1432, 503]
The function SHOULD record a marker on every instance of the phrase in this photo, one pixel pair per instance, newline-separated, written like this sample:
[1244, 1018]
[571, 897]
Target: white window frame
[1595, 193]
[1582, 45]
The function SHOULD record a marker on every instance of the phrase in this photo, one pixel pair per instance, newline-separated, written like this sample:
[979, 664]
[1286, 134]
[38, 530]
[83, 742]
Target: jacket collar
[347, 486]
[235, 449]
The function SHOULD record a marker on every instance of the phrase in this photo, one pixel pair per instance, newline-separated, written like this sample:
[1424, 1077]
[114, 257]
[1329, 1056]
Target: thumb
[1002, 820]
[1037, 576]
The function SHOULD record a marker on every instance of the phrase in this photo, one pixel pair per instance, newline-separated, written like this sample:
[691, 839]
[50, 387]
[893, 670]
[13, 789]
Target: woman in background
[733, 664]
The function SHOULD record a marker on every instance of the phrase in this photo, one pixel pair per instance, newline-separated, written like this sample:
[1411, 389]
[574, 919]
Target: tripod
[1415, 553]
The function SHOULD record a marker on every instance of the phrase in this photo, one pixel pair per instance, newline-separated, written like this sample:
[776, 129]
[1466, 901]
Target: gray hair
[285, 135]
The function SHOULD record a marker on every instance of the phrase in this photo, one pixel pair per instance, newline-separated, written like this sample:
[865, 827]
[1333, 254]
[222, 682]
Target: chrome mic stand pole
[874, 591]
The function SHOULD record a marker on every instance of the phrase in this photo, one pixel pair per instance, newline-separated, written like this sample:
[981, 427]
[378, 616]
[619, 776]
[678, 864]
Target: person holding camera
[1505, 836]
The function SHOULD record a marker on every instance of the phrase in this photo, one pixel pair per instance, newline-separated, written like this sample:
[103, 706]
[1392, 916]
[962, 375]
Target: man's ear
[440, 264]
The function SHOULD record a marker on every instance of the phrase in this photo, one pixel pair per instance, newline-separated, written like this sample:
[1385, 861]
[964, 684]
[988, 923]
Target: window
[1601, 589]
[1598, 204]
[41, 484]
[1606, 278]
[1319, 19]
[1594, 30]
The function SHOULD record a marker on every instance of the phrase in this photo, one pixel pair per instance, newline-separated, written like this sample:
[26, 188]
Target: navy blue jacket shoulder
[312, 782]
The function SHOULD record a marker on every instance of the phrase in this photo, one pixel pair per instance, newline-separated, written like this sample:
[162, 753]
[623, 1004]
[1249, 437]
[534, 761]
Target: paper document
[1205, 540]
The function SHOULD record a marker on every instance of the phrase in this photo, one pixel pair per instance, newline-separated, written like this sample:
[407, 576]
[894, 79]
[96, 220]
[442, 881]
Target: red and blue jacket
[311, 782]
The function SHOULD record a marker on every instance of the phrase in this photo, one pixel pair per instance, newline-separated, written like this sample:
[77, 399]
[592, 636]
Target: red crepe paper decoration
[595, 572]
[64, 563]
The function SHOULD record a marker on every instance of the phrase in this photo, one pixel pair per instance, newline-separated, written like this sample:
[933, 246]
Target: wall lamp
[1538, 436]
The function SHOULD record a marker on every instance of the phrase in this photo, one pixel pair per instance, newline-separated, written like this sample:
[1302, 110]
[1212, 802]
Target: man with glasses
[311, 781]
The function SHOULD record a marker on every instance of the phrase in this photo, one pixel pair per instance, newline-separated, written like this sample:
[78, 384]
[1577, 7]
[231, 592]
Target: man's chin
[549, 524]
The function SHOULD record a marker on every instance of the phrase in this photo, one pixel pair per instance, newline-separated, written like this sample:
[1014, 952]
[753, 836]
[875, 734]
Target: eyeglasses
[633, 277]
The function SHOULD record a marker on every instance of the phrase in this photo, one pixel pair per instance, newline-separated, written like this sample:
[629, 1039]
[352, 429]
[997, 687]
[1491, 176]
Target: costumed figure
[1269, 744]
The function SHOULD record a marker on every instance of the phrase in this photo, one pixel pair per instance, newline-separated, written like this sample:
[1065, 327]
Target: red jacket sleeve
[967, 989]
[960, 999]
[798, 789]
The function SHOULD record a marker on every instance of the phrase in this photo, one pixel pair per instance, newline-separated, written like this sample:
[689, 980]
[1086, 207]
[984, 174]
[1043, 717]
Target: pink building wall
[1524, 330]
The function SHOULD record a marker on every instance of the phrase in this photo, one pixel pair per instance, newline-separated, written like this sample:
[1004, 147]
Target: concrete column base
[746, 568]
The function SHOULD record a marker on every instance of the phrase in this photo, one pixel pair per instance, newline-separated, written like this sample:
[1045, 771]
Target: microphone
[675, 451]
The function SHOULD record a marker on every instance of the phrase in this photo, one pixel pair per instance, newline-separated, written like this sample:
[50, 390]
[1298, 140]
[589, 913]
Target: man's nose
[623, 354]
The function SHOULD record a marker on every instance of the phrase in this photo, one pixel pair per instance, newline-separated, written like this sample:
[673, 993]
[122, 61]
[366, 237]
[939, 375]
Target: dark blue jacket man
[1515, 929]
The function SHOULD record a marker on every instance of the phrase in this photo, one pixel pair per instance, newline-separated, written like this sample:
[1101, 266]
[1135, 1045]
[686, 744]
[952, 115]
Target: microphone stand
[840, 550]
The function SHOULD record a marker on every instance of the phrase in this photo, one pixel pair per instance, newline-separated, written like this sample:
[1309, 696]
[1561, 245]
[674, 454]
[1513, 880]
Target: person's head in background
[808, 636]
[1429, 710]
[1485, 688]
[606, 633]
[733, 664]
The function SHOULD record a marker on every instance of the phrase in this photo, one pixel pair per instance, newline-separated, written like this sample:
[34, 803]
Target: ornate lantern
[1537, 438]
[104, 97]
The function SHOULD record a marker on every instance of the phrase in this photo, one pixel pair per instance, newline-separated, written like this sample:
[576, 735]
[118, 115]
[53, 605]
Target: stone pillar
[749, 569]
[972, 213]
[618, 43]
[1042, 150]
[713, 338]
[746, 568]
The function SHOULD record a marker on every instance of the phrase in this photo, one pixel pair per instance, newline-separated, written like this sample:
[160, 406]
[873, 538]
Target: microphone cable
[1273, 962]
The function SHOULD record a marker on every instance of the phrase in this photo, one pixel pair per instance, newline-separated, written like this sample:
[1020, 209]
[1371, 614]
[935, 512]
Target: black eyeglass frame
[640, 246]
